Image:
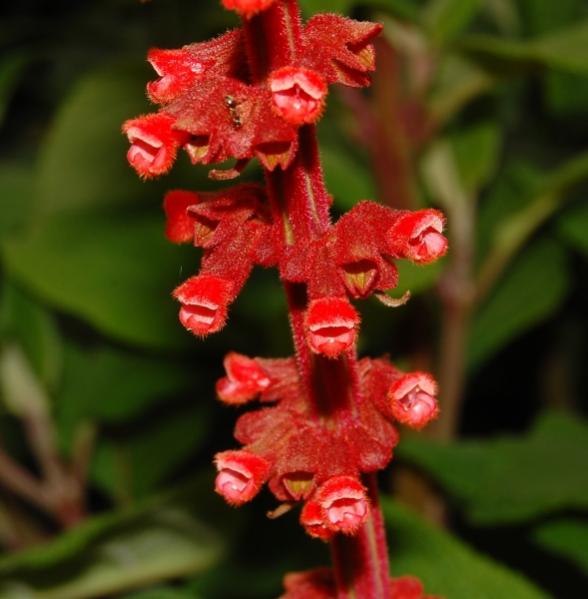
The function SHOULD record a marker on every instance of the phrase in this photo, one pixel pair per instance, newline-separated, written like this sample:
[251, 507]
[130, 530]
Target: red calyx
[314, 584]
[179, 226]
[298, 94]
[344, 504]
[154, 143]
[177, 70]
[408, 587]
[413, 400]
[245, 379]
[247, 8]
[331, 326]
[241, 475]
[418, 236]
[204, 299]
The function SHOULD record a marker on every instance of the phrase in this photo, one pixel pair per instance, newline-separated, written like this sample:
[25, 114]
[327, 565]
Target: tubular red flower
[245, 379]
[177, 69]
[344, 504]
[331, 326]
[418, 236]
[247, 8]
[413, 399]
[204, 299]
[154, 143]
[313, 520]
[241, 475]
[298, 94]
[179, 226]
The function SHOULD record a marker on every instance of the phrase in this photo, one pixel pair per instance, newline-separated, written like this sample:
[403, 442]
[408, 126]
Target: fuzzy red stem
[299, 199]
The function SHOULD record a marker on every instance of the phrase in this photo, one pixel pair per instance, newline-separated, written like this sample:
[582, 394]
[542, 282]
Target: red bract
[298, 94]
[247, 8]
[240, 475]
[204, 300]
[314, 584]
[331, 325]
[408, 587]
[154, 143]
[413, 399]
[245, 379]
[179, 226]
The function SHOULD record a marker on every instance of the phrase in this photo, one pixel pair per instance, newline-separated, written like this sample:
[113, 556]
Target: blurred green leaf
[417, 278]
[115, 272]
[566, 538]
[446, 566]
[446, 19]
[338, 6]
[162, 593]
[564, 49]
[115, 553]
[82, 163]
[11, 67]
[133, 463]
[24, 320]
[573, 225]
[16, 189]
[111, 386]
[347, 180]
[509, 479]
[532, 288]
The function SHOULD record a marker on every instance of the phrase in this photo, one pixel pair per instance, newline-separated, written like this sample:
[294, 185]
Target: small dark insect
[232, 106]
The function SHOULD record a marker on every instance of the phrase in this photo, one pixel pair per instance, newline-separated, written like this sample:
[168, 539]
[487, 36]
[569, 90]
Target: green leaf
[16, 189]
[532, 288]
[566, 538]
[132, 464]
[510, 479]
[11, 67]
[446, 19]
[573, 225]
[116, 553]
[564, 49]
[115, 272]
[29, 324]
[162, 593]
[311, 7]
[417, 278]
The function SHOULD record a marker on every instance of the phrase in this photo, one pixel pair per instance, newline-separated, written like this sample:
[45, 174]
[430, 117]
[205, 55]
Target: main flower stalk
[328, 420]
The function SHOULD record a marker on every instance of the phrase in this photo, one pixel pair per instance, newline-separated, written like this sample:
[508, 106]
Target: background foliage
[105, 396]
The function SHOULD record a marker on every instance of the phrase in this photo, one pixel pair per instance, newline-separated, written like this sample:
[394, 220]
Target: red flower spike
[247, 8]
[313, 521]
[418, 236]
[204, 300]
[298, 94]
[314, 584]
[241, 475]
[413, 400]
[340, 49]
[245, 379]
[179, 226]
[344, 504]
[154, 143]
[331, 326]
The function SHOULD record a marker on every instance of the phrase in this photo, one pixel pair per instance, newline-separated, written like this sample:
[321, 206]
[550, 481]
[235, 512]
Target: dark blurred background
[108, 419]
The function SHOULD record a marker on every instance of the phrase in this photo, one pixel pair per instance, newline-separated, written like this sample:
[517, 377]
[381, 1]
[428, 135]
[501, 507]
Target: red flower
[413, 399]
[418, 236]
[241, 475]
[344, 504]
[298, 94]
[245, 379]
[331, 326]
[204, 299]
[314, 584]
[247, 8]
[408, 587]
[179, 226]
[313, 520]
[154, 143]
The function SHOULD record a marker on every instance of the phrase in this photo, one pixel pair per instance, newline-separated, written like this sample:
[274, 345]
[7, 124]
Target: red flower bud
[413, 399]
[418, 236]
[154, 143]
[204, 300]
[331, 326]
[313, 521]
[177, 69]
[179, 227]
[247, 8]
[245, 379]
[241, 475]
[298, 94]
[344, 504]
